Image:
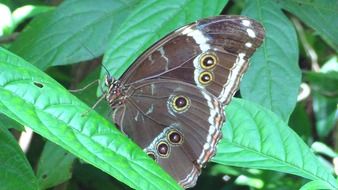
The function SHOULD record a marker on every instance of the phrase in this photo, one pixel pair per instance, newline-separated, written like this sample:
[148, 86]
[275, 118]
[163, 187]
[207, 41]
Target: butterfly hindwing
[185, 119]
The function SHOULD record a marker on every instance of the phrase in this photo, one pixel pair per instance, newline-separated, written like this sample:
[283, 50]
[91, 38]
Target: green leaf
[273, 78]
[321, 15]
[42, 104]
[254, 137]
[149, 22]
[55, 166]
[9, 123]
[16, 173]
[65, 35]
[315, 185]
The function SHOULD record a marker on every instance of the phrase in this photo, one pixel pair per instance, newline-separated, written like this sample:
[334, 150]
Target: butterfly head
[114, 90]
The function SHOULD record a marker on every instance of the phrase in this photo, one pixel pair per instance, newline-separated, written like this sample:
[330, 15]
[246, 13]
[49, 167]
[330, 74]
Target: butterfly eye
[205, 77]
[180, 103]
[175, 137]
[208, 60]
[163, 149]
[152, 155]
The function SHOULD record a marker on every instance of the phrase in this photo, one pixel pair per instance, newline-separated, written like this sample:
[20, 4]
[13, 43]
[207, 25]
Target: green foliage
[16, 173]
[256, 135]
[268, 143]
[321, 15]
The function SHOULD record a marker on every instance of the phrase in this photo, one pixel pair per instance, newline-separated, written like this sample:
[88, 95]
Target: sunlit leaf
[254, 137]
[35, 100]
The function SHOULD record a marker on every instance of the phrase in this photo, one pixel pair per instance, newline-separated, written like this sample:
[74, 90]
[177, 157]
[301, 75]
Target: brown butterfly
[171, 100]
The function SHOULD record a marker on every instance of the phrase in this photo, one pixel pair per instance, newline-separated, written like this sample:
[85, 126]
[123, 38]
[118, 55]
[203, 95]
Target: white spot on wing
[248, 44]
[164, 57]
[199, 38]
[136, 116]
[246, 23]
[152, 87]
[206, 146]
[150, 110]
[150, 58]
[251, 33]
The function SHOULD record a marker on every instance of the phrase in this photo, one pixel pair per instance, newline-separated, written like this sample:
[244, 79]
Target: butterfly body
[171, 100]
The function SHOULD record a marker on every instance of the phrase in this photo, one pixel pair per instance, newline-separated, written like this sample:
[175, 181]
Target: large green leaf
[273, 77]
[321, 15]
[16, 173]
[37, 101]
[149, 22]
[255, 137]
[55, 166]
[65, 35]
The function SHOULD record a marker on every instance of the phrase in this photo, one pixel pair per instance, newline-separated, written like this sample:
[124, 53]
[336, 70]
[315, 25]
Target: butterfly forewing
[183, 55]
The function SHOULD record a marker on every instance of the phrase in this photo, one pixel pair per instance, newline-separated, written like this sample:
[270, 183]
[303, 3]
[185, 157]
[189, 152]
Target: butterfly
[171, 100]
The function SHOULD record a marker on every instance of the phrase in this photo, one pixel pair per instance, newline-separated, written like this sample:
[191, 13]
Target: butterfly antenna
[91, 53]
[105, 68]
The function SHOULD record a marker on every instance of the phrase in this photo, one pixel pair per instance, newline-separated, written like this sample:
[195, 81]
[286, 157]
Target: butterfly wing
[176, 123]
[175, 92]
[211, 53]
